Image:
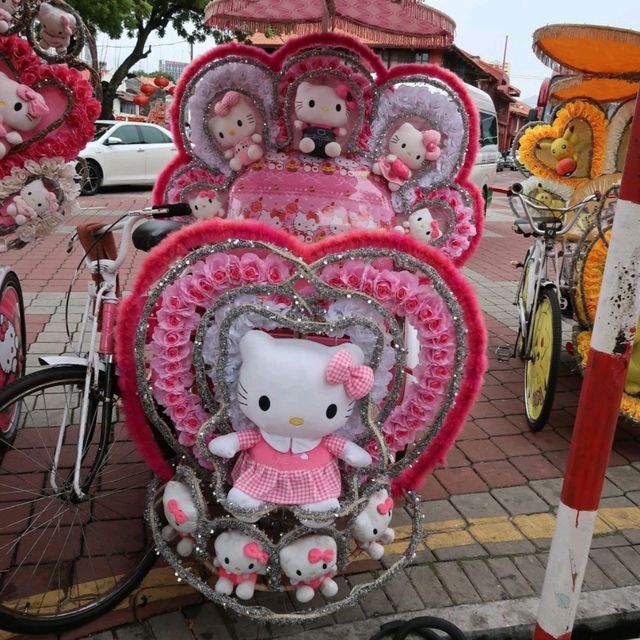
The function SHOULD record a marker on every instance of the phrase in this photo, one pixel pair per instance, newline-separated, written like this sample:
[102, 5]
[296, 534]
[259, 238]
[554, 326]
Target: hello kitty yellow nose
[232, 132]
[325, 109]
[296, 422]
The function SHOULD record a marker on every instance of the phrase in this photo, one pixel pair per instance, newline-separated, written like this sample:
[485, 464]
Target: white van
[485, 165]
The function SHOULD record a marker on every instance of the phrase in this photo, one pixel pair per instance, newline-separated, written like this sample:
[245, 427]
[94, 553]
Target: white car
[125, 153]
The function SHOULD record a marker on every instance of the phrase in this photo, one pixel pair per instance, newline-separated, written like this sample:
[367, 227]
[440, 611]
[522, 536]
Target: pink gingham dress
[267, 474]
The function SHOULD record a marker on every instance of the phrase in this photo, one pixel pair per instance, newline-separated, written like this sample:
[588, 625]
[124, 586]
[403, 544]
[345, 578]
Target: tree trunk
[108, 96]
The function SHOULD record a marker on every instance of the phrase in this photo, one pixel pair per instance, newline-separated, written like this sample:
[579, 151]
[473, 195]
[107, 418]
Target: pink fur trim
[159, 194]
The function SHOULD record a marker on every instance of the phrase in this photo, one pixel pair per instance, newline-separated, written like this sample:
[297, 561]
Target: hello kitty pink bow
[385, 507]
[174, 509]
[37, 106]
[431, 139]
[316, 555]
[207, 194]
[230, 99]
[357, 379]
[253, 550]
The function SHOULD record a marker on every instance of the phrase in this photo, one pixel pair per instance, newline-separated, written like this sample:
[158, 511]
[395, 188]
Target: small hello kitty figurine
[409, 149]
[182, 516]
[206, 205]
[56, 28]
[7, 10]
[422, 225]
[310, 564]
[239, 559]
[297, 393]
[9, 350]
[21, 109]
[34, 200]
[322, 113]
[371, 529]
[233, 127]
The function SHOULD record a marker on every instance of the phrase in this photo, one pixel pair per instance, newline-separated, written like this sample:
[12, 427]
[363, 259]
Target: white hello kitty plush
[409, 149]
[233, 127]
[240, 559]
[7, 10]
[21, 109]
[182, 516]
[422, 225]
[9, 350]
[297, 393]
[34, 200]
[206, 205]
[310, 564]
[322, 113]
[371, 529]
[56, 28]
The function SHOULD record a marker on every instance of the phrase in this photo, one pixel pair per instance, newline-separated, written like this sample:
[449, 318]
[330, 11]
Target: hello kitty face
[206, 205]
[39, 198]
[423, 226]
[9, 346]
[304, 222]
[407, 143]
[233, 120]
[238, 553]
[9, 6]
[179, 507]
[57, 27]
[309, 558]
[320, 104]
[282, 386]
[21, 108]
[374, 520]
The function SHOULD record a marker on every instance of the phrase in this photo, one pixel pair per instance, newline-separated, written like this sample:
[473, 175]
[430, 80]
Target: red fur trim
[161, 187]
[478, 219]
[457, 85]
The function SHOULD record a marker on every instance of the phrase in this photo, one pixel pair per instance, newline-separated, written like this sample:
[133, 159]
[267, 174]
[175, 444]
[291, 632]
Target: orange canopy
[597, 88]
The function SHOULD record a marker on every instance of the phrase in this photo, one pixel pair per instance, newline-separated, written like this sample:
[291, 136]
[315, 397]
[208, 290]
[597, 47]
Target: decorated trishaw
[574, 164]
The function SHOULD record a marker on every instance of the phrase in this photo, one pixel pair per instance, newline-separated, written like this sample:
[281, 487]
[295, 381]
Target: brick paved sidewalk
[489, 511]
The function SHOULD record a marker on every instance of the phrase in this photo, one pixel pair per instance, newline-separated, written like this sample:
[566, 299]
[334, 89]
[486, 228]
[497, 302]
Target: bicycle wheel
[64, 561]
[13, 347]
[543, 359]
[523, 294]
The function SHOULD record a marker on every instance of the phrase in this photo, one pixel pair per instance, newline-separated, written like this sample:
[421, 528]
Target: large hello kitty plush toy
[21, 109]
[310, 564]
[233, 126]
[206, 205]
[322, 113]
[240, 559]
[34, 200]
[409, 149]
[9, 350]
[371, 529]
[182, 516]
[7, 10]
[297, 393]
[56, 28]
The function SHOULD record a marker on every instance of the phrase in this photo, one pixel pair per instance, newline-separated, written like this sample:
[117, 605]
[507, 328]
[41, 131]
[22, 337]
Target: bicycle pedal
[504, 353]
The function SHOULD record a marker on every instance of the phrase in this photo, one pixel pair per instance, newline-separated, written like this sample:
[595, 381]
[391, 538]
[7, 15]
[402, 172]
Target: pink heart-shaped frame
[268, 240]
[66, 129]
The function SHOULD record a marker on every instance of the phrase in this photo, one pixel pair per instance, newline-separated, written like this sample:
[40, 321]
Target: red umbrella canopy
[408, 22]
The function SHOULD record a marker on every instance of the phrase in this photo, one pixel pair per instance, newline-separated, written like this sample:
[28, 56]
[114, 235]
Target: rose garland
[405, 294]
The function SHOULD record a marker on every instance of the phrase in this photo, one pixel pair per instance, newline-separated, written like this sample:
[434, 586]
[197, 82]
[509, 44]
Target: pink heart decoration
[340, 262]
[67, 126]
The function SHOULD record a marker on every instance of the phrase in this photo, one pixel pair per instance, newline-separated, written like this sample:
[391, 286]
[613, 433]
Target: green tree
[138, 19]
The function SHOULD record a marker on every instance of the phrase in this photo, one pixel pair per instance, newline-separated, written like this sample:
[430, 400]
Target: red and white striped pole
[598, 408]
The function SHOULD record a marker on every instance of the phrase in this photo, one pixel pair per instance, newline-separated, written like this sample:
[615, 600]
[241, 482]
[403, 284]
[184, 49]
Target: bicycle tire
[104, 534]
[522, 293]
[11, 283]
[543, 360]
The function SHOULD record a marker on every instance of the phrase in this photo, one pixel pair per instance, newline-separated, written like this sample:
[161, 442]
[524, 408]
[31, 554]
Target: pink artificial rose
[170, 337]
[187, 404]
[332, 275]
[384, 285]
[169, 398]
[464, 228]
[277, 270]
[443, 339]
[191, 422]
[439, 356]
[426, 397]
[412, 303]
[417, 410]
[217, 267]
[353, 273]
[233, 270]
[171, 320]
[187, 439]
[175, 382]
[192, 293]
[251, 268]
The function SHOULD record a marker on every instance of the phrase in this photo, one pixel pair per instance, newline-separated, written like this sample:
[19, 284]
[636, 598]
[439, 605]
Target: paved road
[489, 510]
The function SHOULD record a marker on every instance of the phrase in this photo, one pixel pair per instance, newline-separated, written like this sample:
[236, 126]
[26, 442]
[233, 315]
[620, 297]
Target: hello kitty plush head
[423, 226]
[322, 113]
[414, 147]
[310, 563]
[34, 200]
[206, 205]
[56, 28]
[240, 559]
[7, 9]
[21, 107]
[9, 346]
[298, 401]
[371, 529]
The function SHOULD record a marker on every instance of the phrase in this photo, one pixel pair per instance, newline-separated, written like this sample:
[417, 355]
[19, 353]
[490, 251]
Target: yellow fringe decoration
[576, 109]
[589, 282]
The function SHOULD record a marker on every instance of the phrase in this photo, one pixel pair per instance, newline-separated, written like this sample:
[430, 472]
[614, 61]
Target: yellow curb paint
[538, 525]
[158, 584]
[444, 525]
[621, 517]
[448, 539]
[601, 526]
[495, 532]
